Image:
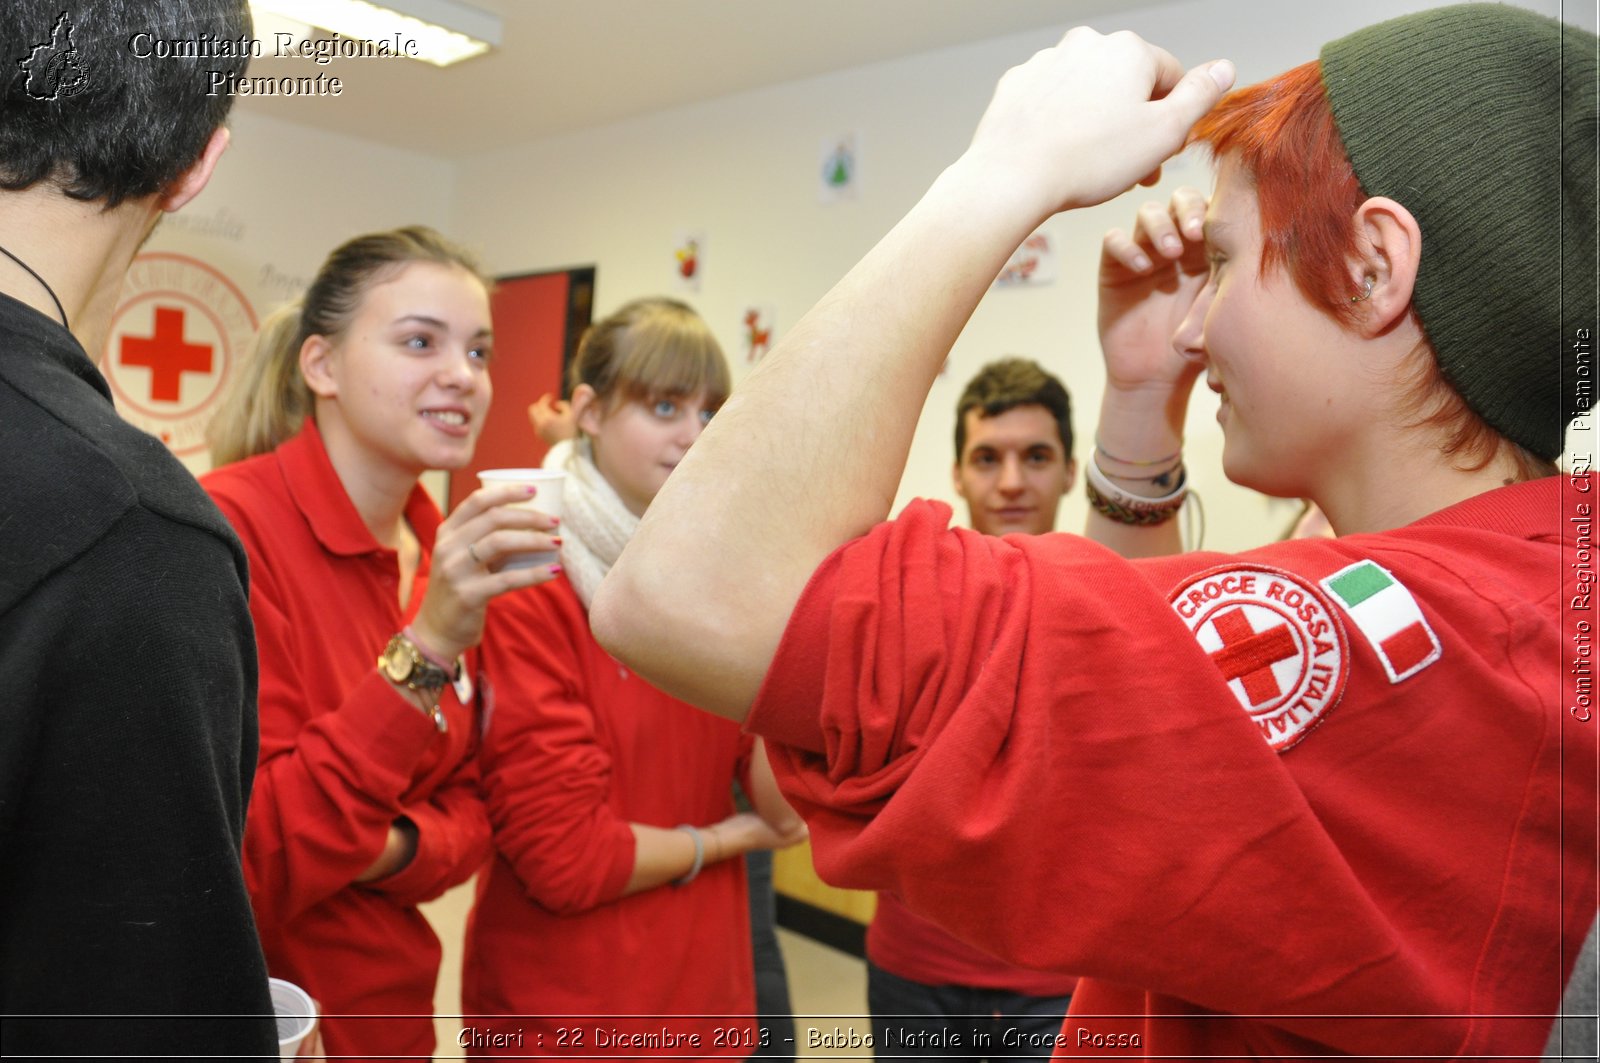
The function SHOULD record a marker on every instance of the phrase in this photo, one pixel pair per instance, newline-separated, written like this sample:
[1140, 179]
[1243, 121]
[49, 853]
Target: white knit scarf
[595, 525]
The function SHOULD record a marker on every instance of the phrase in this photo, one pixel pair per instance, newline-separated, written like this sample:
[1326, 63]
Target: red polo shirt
[343, 755]
[577, 749]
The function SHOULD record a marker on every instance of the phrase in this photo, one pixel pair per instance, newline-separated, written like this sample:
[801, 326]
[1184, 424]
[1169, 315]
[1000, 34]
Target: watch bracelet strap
[432, 694]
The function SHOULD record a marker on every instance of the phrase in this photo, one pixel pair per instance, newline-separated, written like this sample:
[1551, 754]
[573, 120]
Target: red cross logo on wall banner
[175, 338]
[166, 355]
[1276, 642]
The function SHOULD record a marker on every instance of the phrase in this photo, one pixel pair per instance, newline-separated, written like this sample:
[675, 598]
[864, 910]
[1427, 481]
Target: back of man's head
[110, 99]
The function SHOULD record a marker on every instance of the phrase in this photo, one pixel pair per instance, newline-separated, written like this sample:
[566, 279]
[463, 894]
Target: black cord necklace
[43, 284]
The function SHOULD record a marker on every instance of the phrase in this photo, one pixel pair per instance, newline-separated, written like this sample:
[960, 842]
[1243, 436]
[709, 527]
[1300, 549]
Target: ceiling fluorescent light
[444, 31]
[272, 28]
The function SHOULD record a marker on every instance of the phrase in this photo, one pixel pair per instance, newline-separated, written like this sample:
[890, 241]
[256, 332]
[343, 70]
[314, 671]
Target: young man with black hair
[125, 636]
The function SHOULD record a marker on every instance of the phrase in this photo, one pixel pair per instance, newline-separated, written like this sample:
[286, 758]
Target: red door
[538, 320]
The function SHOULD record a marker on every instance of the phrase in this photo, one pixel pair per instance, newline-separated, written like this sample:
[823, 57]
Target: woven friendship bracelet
[1124, 515]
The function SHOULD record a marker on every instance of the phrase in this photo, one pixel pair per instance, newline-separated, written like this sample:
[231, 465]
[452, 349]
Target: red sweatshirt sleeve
[1028, 746]
[452, 839]
[546, 767]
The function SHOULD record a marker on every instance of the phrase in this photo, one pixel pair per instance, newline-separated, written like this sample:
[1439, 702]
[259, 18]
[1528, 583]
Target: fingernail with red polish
[555, 570]
[532, 490]
[556, 539]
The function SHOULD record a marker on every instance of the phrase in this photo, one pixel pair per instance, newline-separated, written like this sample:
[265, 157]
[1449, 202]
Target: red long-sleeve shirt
[903, 943]
[343, 755]
[1265, 804]
[577, 747]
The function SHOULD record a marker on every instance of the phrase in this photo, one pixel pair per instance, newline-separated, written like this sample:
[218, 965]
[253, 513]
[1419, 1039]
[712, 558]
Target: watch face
[402, 662]
[397, 662]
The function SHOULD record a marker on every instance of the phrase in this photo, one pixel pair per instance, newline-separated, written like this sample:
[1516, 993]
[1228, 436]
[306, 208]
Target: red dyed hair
[1282, 133]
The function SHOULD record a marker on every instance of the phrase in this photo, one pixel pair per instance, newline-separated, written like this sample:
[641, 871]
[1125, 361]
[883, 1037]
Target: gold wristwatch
[404, 664]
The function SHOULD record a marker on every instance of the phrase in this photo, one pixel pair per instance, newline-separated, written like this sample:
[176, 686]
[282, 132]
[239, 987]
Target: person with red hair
[1322, 797]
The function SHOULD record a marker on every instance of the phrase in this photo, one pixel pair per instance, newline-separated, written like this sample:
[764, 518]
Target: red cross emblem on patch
[1277, 642]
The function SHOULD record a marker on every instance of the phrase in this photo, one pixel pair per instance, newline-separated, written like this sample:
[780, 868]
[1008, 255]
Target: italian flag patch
[1385, 613]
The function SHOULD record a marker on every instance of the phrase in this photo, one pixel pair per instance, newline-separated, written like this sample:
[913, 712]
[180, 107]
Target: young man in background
[928, 990]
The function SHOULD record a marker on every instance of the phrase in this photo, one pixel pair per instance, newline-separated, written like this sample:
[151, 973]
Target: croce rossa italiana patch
[1277, 641]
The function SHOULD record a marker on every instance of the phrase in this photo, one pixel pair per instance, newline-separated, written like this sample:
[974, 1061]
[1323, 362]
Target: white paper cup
[297, 1017]
[547, 499]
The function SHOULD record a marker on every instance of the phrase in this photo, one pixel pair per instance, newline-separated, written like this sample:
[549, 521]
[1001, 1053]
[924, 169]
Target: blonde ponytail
[267, 400]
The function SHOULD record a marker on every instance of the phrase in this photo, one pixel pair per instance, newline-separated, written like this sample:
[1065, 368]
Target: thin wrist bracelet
[1164, 478]
[699, 855]
[453, 667]
[1111, 492]
[1104, 453]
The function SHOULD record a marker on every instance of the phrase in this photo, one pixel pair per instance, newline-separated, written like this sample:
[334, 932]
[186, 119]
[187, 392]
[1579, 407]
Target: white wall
[742, 169]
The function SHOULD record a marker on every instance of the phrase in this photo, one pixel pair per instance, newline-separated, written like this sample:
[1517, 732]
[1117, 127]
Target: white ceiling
[570, 64]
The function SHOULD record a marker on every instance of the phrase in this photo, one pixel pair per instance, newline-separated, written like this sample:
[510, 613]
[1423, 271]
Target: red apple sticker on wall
[689, 258]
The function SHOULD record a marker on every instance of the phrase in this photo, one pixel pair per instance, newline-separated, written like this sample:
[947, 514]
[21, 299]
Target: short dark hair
[1011, 382]
[80, 108]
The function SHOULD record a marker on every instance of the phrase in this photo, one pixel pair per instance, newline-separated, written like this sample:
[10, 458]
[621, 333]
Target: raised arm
[809, 452]
[1149, 279]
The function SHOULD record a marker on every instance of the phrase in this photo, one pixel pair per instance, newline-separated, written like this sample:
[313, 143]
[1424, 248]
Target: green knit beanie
[1480, 119]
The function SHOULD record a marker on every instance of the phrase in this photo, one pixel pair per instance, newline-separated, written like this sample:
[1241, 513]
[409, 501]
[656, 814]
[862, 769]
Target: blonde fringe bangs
[653, 348]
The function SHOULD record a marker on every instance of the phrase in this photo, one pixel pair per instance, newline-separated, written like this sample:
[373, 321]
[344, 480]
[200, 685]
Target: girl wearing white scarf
[614, 891]
[597, 523]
